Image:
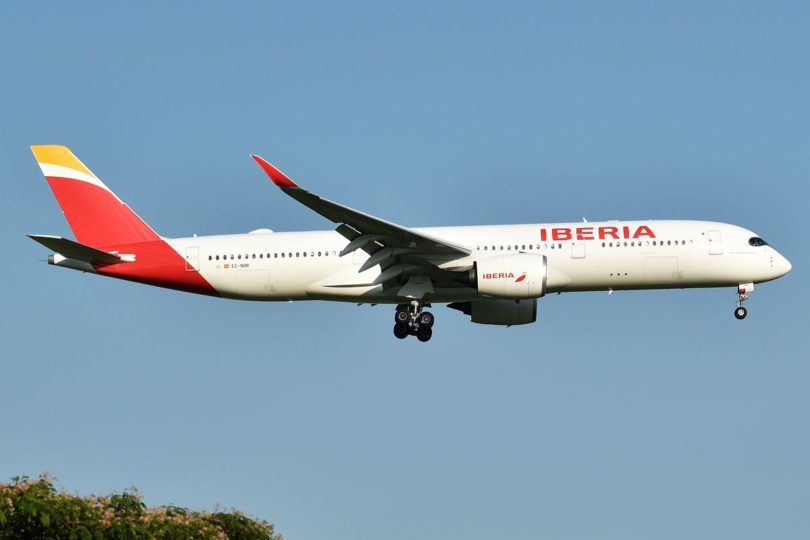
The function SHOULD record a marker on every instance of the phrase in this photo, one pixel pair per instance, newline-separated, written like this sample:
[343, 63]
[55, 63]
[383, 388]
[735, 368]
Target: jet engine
[516, 276]
[502, 312]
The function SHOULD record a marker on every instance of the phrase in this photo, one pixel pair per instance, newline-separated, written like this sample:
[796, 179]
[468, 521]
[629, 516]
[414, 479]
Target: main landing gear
[412, 321]
[742, 295]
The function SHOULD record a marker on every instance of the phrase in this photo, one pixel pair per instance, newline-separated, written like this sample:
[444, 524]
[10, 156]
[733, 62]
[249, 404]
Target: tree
[35, 509]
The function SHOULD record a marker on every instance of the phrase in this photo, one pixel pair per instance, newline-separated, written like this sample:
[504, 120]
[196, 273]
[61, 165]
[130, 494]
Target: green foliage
[34, 509]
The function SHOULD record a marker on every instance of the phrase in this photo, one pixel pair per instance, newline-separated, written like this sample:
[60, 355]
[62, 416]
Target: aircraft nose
[781, 265]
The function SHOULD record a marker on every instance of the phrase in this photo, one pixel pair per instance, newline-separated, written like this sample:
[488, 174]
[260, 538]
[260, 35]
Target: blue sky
[636, 415]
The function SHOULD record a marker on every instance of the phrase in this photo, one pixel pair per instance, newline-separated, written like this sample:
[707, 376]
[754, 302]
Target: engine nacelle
[502, 312]
[519, 275]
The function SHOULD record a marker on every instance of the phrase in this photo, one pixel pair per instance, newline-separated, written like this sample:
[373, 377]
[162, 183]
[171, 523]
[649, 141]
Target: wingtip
[278, 177]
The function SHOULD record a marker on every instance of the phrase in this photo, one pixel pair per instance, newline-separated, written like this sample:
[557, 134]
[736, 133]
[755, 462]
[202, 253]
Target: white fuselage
[614, 255]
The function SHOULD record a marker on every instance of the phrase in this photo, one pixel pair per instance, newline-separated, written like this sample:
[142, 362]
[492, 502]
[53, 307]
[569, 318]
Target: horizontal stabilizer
[74, 250]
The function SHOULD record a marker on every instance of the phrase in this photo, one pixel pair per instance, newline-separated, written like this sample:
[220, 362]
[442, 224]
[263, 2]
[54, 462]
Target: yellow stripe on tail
[55, 154]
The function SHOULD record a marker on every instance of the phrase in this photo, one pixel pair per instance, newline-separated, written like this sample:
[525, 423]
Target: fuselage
[586, 256]
[493, 273]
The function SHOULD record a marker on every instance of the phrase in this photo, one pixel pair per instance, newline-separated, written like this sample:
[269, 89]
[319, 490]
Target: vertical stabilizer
[95, 214]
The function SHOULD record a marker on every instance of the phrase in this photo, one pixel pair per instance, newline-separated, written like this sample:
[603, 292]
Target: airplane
[495, 274]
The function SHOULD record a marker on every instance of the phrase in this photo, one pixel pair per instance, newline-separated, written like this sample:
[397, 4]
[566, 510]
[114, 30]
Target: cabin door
[192, 259]
[715, 243]
[578, 249]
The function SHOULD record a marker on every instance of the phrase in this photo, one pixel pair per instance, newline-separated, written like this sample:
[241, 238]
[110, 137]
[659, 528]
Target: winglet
[278, 177]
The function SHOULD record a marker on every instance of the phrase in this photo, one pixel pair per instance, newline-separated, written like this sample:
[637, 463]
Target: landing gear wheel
[424, 334]
[740, 313]
[412, 321]
[401, 331]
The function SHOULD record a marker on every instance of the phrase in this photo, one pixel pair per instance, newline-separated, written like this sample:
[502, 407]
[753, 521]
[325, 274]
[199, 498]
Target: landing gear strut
[742, 295]
[412, 321]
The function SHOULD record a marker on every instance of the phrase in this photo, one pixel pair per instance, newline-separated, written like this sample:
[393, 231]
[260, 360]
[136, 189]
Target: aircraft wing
[372, 228]
[400, 252]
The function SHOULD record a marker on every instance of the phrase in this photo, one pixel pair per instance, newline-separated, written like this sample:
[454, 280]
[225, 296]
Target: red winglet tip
[278, 177]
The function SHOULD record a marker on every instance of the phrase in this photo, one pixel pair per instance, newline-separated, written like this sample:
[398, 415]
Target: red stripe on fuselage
[96, 216]
[156, 263]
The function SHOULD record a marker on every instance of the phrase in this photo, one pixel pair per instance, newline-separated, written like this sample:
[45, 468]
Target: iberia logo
[521, 277]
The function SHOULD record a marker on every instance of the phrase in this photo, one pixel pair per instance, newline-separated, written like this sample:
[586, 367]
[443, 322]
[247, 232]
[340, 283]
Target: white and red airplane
[493, 273]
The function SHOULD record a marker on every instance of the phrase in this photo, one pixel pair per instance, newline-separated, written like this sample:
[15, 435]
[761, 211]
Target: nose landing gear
[412, 321]
[742, 295]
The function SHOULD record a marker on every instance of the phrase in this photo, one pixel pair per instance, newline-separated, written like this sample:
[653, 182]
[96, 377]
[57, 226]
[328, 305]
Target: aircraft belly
[259, 283]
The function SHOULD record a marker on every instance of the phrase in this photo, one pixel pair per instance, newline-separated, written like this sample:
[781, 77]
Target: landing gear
[412, 321]
[742, 295]
[426, 320]
[401, 331]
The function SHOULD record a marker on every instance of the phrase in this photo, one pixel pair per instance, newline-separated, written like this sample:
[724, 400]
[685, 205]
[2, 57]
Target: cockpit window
[757, 241]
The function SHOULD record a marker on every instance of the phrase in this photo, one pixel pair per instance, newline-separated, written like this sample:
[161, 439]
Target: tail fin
[96, 215]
